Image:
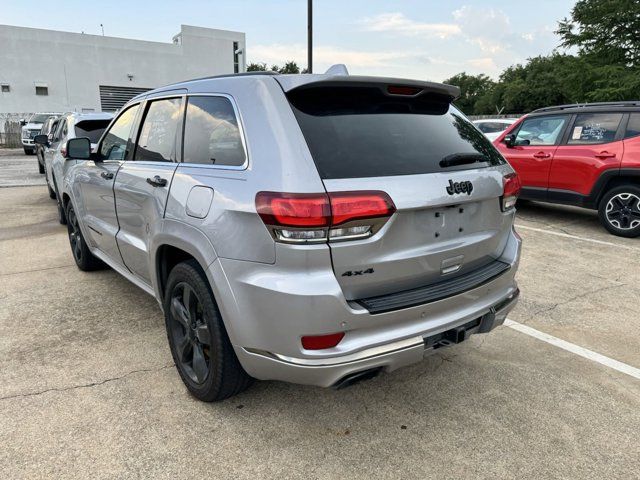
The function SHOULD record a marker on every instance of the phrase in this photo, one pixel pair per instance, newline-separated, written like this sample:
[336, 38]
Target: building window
[5, 88]
[236, 58]
[42, 90]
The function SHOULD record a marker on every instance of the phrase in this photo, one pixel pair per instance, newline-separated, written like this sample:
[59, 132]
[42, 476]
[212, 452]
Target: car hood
[32, 126]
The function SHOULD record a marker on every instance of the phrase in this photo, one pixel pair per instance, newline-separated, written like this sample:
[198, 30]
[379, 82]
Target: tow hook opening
[357, 377]
[451, 337]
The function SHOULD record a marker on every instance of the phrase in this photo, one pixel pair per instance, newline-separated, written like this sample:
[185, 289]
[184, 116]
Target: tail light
[320, 342]
[316, 218]
[512, 186]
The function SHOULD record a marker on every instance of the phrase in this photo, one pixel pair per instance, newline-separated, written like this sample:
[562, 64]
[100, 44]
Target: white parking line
[570, 347]
[576, 237]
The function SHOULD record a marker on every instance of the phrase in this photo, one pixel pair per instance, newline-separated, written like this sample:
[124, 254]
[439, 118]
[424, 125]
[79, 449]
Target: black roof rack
[632, 103]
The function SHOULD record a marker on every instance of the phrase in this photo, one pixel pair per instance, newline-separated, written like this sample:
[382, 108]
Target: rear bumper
[267, 308]
[326, 372]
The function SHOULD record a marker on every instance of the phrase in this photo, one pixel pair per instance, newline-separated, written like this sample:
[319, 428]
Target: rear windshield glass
[92, 129]
[362, 132]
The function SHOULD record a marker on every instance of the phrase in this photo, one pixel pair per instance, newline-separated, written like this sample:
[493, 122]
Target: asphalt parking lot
[88, 388]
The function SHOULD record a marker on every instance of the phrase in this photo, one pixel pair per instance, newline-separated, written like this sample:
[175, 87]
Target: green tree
[472, 88]
[257, 67]
[608, 31]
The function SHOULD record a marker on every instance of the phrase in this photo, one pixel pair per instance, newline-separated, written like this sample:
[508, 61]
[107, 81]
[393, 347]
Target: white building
[51, 71]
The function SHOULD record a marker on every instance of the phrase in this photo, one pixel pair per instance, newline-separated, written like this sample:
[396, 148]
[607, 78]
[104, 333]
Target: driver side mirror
[41, 140]
[510, 140]
[23, 122]
[78, 149]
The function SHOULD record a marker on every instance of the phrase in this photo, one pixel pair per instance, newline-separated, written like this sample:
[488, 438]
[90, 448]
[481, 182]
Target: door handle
[157, 181]
[107, 175]
[605, 155]
[542, 155]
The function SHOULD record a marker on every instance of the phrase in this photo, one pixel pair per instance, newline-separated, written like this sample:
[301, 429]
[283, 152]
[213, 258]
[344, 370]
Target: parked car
[493, 127]
[68, 126]
[31, 128]
[314, 229]
[46, 129]
[586, 155]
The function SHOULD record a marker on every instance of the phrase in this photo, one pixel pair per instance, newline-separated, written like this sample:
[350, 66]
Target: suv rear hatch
[442, 175]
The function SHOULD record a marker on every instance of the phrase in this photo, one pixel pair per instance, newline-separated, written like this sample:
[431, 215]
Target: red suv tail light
[314, 218]
[512, 186]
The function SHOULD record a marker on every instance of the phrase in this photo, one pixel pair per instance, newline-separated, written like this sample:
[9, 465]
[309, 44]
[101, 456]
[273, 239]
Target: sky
[429, 40]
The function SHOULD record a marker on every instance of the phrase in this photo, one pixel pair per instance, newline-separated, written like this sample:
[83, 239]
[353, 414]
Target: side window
[541, 130]
[114, 145]
[57, 133]
[157, 140]
[64, 130]
[593, 128]
[211, 133]
[633, 127]
[52, 130]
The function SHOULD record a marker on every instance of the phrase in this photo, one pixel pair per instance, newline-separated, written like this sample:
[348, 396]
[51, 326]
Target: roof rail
[632, 103]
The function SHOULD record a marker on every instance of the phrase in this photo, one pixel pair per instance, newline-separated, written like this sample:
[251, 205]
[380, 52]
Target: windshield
[361, 132]
[39, 118]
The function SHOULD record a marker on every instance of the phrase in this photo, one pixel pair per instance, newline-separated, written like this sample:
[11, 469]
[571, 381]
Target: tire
[62, 215]
[52, 192]
[83, 257]
[619, 211]
[198, 340]
[29, 151]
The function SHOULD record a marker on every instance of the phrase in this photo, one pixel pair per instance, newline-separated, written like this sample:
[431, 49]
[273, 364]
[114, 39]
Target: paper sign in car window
[577, 133]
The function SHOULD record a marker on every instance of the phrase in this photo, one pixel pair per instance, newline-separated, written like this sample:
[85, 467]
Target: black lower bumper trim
[435, 291]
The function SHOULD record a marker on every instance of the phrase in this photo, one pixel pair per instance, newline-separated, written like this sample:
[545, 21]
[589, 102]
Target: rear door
[594, 144]
[537, 139]
[443, 176]
[142, 185]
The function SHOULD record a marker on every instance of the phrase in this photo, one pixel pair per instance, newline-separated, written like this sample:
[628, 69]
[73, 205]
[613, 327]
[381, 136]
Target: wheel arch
[175, 243]
[612, 179]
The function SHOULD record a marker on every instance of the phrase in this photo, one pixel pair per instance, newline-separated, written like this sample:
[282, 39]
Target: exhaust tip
[356, 377]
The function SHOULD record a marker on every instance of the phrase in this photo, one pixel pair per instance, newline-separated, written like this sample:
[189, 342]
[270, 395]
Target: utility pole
[102, 27]
[310, 36]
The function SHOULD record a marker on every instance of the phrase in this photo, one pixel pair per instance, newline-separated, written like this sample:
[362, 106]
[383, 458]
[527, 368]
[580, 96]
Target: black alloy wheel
[190, 333]
[200, 345]
[75, 235]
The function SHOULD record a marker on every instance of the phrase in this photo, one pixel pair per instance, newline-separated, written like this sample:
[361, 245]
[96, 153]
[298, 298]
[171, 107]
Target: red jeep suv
[586, 155]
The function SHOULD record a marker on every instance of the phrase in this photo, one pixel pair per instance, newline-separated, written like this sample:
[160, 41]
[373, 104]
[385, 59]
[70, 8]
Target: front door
[536, 143]
[96, 179]
[142, 185]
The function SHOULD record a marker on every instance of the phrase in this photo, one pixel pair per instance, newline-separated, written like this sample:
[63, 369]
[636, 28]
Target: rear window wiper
[457, 159]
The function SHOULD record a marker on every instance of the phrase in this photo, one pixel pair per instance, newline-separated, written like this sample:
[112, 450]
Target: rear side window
[593, 128]
[363, 132]
[633, 127]
[157, 140]
[92, 129]
[211, 133]
[114, 145]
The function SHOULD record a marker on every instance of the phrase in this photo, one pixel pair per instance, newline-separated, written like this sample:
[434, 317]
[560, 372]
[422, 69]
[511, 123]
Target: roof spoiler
[334, 79]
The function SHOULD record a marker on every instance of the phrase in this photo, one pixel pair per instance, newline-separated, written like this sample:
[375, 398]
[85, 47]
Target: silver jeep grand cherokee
[315, 229]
